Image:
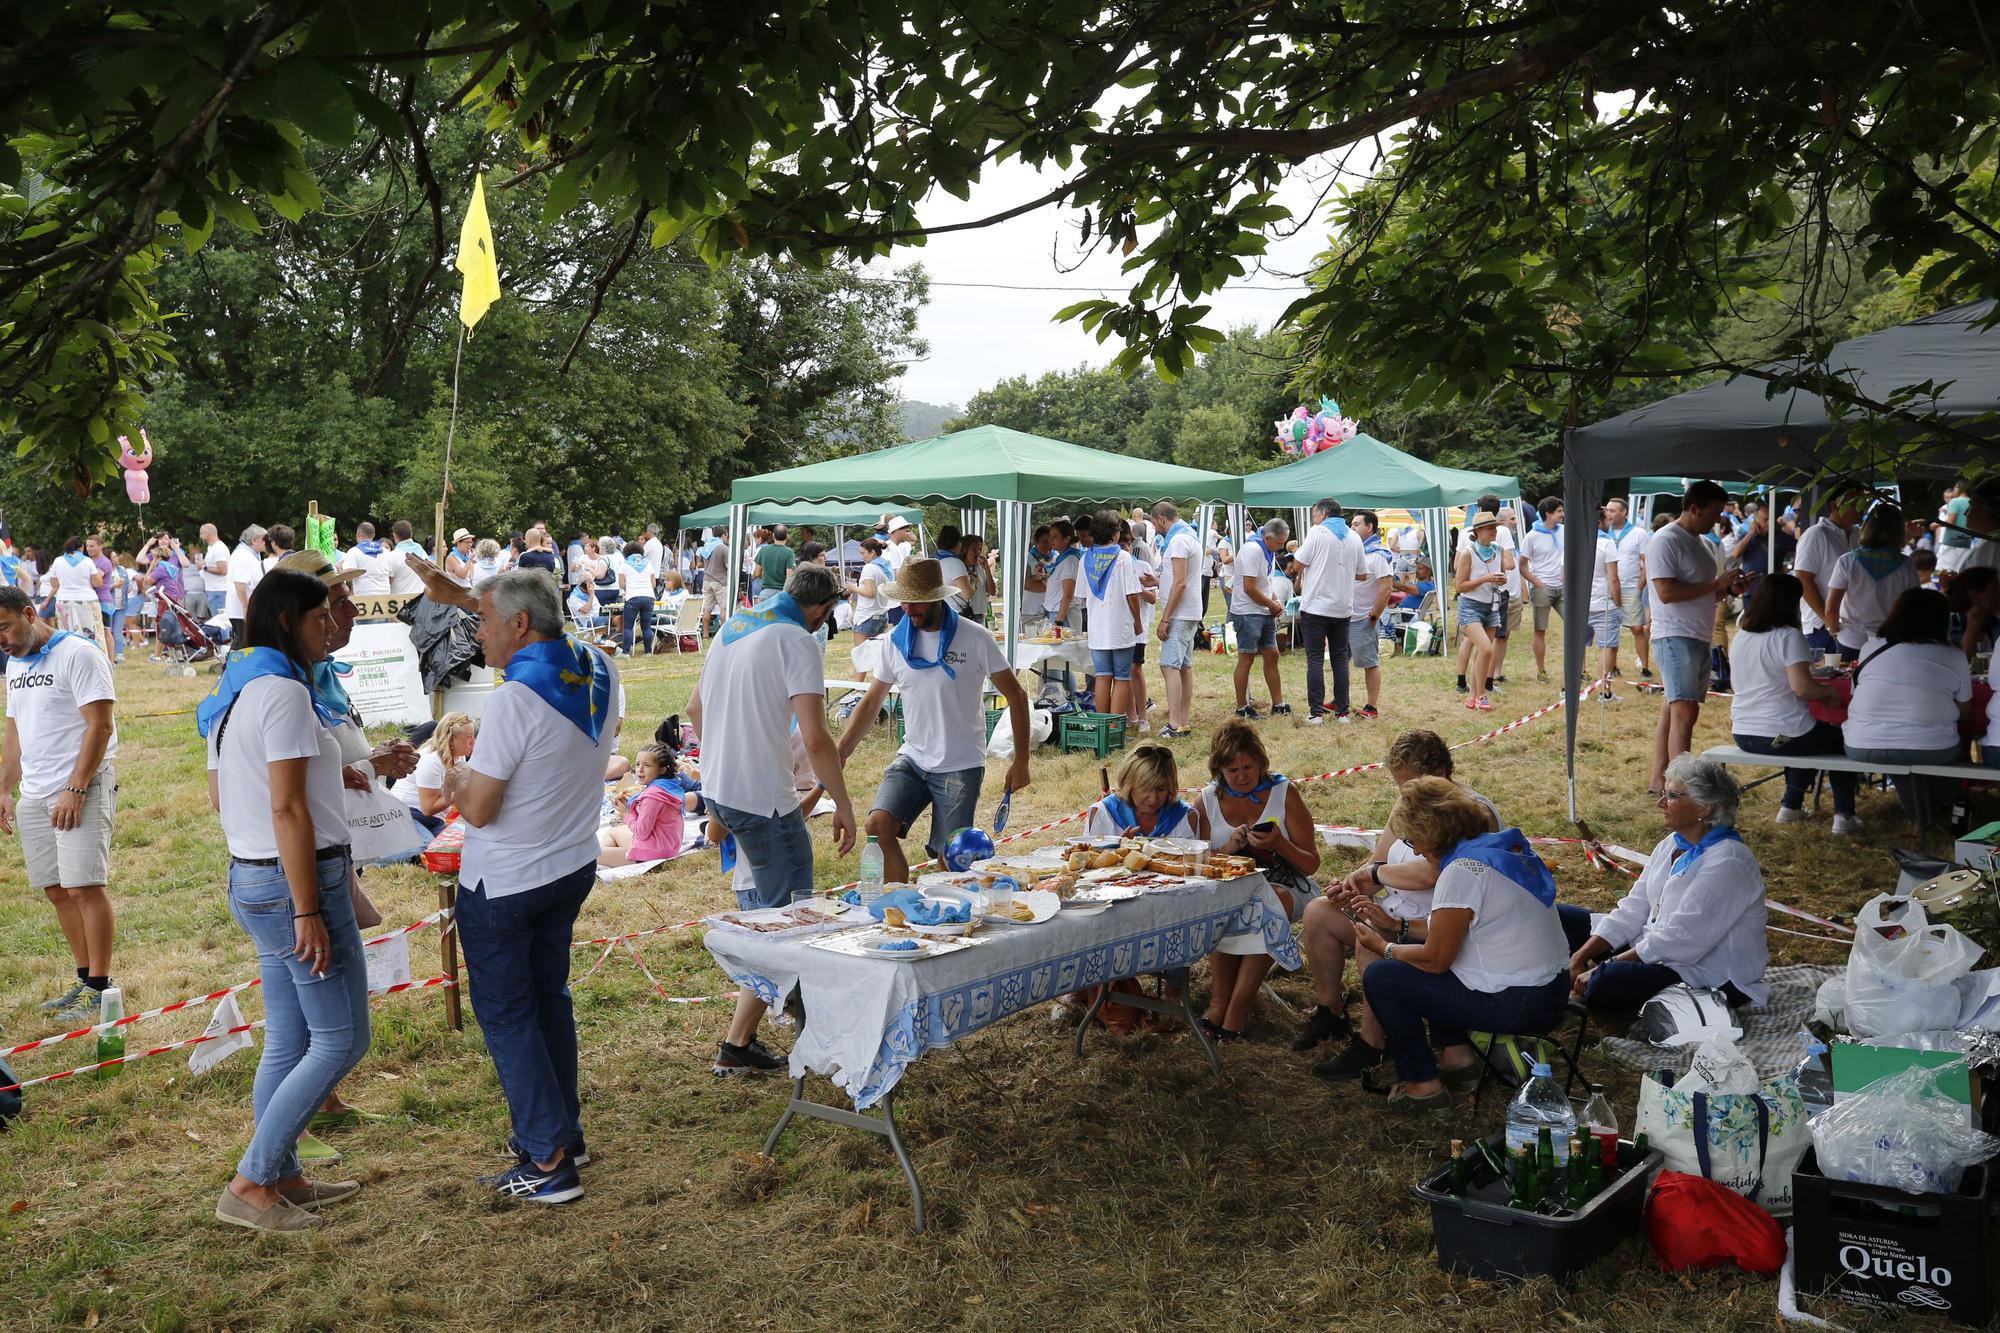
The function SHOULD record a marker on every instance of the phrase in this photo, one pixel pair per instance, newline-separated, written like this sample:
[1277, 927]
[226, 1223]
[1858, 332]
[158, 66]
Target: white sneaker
[1848, 826]
[1787, 815]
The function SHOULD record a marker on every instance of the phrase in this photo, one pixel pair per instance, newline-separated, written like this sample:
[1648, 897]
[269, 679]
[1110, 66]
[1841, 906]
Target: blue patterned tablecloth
[868, 1019]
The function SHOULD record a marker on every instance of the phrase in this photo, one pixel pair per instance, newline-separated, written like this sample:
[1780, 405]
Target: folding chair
[687, 620]
[1575, 1011]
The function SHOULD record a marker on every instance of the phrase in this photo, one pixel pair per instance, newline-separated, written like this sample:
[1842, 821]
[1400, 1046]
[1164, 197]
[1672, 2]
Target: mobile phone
[1265, 826]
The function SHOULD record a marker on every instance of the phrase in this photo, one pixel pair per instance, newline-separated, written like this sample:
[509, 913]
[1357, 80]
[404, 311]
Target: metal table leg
[883, 1124]
[1183, 1009]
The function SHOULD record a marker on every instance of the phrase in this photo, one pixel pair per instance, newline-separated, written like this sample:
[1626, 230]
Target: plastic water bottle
[1540, 1105]
[1815, 1078]
[870, 886]
[1597, 1114]
[111, 1041]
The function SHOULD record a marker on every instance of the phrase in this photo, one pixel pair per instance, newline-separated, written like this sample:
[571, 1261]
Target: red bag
[1696, 1223]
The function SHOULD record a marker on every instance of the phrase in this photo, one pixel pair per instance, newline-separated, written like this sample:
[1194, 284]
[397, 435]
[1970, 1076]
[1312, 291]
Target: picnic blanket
[1770, 1030]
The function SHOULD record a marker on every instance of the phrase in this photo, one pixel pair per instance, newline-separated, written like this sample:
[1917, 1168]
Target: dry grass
[1128, 1190]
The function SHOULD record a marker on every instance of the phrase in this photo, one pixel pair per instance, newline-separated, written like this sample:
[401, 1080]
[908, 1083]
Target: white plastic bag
[1979, 1000]
[380, 828]
[1901, 1132]
[1040, 723]
[1901, 970]
[1830, 1004]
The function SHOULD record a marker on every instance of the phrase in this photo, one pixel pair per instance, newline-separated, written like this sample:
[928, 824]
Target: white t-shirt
[429, 772]
[1375, 570]
[944, 717]
[1600, 580]
[403, 581]
[1251, 563]
[1514, 939]
[1865, 600]
[1062, 570]
[1819, 547]
[654, 551]
[952, 569]
[45, 699]
[1184, 602]
[72, 578]
[1410, 540]
[273, 720]
[218, 554]
[898, 552]
[1985, 551]
[546, 826]
[1327, 586]
[1544, 554]
[1675, 553]
[747, 688]
[634, 582]
[1907, 697]
[1763, 704]
[1631, 544]
[244, 568]
[1505, 538]
[375, 570]
[1109, 618]
[868, 604]
[1991, 741]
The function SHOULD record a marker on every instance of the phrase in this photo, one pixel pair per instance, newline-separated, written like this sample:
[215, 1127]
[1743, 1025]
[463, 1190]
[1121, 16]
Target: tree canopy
[1570, 193]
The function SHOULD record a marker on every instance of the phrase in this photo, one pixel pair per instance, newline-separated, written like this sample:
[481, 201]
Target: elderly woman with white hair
[1696, 915]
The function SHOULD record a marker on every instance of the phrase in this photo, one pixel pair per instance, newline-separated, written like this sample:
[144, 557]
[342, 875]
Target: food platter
[1039, 905]
[806, 915]
[893, 945]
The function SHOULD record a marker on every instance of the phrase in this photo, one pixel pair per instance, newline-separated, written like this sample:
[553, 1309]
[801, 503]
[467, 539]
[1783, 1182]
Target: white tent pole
[738, 518]
[1013, 516]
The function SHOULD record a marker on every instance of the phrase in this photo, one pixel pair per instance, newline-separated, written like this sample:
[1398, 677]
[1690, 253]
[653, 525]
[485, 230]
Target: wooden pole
[450, 434]
[454, 1017]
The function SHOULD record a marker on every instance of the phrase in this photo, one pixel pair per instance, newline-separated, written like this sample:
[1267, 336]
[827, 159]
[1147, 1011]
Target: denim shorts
[1113, 662]
[1364, 642]
[1606, 624]
[872, 626]
[1255, 633]
[952, 798]
[1470, 612]
[1177, 652]
[1684, 668]
[776, 849]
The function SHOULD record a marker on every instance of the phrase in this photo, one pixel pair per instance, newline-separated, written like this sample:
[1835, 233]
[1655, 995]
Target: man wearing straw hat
[939, 661]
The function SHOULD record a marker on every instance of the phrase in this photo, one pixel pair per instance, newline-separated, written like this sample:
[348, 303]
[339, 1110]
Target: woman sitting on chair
[1695, 916]
[1492, 959]
[1144, 802]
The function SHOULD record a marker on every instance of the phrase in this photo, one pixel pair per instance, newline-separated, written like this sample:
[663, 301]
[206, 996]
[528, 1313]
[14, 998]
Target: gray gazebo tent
[1738, 428]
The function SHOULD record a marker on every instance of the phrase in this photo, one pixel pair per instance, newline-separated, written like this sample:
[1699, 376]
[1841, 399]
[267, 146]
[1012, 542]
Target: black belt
[323, 854]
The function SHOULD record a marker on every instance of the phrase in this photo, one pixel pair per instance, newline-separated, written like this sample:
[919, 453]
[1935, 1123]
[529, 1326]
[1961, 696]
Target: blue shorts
[1364, 642]
[1606, 624]
[874, 625]
[1177, 652]
[953, 799]
[1113, 662]
[1684, 666]
[1485, 614]
[1256, 633]
[776, 849]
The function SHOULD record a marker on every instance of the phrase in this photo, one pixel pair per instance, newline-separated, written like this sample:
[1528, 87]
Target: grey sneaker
[282, 1216]
[68, 998]
[84, 1013]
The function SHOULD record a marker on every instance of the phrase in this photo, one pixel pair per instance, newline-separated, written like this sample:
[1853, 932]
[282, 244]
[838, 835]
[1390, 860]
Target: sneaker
[751, 1059]
[316, 1152]
[1461, 687]
[578, 1154]
[88, 1011]
[68, 999]
[1173, 733]
[1343, 718]
[1645, 673]
[1368, 713]
[1323, 1024]
[1353, 1062]
[1787, 815]
[1249, 714]
[1315, 719]
[1281, 710]
[528, 1183]
[282, 1216]
[1145, 727]
[1483, 704]
[1472, 704]
[1541, 677]
[1848, 826]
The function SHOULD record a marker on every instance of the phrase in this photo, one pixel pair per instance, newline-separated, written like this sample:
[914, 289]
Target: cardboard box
[1979, 848]
[1856, 1066]
[1882, 1249]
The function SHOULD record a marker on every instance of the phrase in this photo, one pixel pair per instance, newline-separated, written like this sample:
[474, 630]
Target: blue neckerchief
[408, 547]
[245, 665]
[74, 558]
[1618, 534]
[888, 574]
[1880, 564]
[1169, 815]
[1508, 852]
[330, 688]
[673, 787]
[1180, 525]
[637, 562]
[1690, 852]
[370, 548]
[1067, 553]
[1485, 553]
[1270, 780]
[1371, 545]
[1097, 567]
[10, 567]
[777, 607]
[569, 676]
[1256, 539]
[904, 636]
[1542, 527]
[1336, 525]
[54, 639]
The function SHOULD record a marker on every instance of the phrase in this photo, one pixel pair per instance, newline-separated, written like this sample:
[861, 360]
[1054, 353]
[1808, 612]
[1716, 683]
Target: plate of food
[1026, 909]
[894, 945]
[1106, 893]
[808, 915]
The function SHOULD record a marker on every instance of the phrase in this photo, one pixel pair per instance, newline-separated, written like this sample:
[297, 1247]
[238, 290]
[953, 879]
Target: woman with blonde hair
[485, 562]
[449, 744]
[1144, 801]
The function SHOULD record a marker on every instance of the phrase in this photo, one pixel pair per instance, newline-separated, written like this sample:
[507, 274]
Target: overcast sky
[981, 334]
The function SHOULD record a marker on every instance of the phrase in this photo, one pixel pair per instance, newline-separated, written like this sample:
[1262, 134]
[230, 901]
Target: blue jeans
[315, 1027]
[517, 950]
[116, 620]
[1620, 987]
[777, 849]
[1326, 635]
[1684, 667]
[1406, 1001]
[1921, 797]
[1824, 738]
[1114, 663]
[952, 798]
[638, 615]
[216, 601]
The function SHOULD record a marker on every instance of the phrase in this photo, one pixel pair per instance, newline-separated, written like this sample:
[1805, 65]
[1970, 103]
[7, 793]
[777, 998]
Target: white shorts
[1951, 559]
[72, 858]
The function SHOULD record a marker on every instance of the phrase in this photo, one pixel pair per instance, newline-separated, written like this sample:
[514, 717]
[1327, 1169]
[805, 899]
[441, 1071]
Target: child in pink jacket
[654, 815]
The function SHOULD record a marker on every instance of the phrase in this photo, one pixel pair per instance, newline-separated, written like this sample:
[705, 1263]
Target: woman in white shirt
[636, 577]
[1770, 666]
[485, 563]
[458, 560]
[1695, 916]
[1138, 700]
[76, 580]
[1912, 691]
[972, 550]
[275, 779]
[449, 744]
[1866, 581]
[1492, 960]
[1110, 587]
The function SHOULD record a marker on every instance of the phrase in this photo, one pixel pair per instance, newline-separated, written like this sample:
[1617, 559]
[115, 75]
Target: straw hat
[1485, 521]
[920, 581]
[459, 536]
[319, 566]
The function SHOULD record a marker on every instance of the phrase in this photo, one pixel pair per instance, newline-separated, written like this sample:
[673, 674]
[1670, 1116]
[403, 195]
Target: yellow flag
[476, 259]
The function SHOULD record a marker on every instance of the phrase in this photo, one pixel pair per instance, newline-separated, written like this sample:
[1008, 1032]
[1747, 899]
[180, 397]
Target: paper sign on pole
[389, 962]
[212, 1053]
[386, 684]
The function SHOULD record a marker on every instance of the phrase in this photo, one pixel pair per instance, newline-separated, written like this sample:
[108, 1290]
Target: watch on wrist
[1389, 952]
[1375, 873]
[1403, 932]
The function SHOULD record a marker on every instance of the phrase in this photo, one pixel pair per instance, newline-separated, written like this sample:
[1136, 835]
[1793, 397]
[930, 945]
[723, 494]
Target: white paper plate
[1039, 901]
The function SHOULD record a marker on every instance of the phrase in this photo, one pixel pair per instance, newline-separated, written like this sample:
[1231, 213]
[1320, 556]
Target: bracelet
[1375, 873]
[1389, 952]
[1403, 931]
[77, 791]
[300, 916]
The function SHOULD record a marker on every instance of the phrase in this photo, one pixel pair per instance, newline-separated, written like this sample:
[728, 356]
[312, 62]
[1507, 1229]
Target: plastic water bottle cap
[1539, 1070]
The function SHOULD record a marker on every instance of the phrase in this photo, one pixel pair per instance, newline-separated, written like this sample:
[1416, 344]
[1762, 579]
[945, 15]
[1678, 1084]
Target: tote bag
[379, 827]
[1748, 1141]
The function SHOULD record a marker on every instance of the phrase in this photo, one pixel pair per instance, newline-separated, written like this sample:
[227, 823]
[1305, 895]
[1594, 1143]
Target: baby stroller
[182, 638]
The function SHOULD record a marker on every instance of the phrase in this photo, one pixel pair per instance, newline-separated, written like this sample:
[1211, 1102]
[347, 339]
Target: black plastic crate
[1887, 1250]
[1480, 1236]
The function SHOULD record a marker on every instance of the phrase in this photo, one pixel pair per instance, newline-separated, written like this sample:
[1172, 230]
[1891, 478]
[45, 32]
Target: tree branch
[603, 284]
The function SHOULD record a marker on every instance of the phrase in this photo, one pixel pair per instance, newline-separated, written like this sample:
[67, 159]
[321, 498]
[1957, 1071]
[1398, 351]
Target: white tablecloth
[867, 1019]
[1075, 652]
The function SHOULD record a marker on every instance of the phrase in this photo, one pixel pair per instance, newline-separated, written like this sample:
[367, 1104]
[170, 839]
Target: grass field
[1130, 1190]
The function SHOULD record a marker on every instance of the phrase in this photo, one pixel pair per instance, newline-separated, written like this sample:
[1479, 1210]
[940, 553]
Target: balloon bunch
[1306, 432]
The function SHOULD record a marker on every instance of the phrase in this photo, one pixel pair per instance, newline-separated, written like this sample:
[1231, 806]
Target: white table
[1073, 652]
[869, 1019]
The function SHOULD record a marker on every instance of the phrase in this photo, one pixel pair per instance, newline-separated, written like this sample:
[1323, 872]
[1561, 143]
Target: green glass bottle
[1548, 1189]
[1461, 1170]
[111, 1041]
[1578, 1188]
[1521, 1179]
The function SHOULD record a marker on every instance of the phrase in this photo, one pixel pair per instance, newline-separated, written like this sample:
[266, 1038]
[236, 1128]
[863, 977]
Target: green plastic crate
[1100, 733]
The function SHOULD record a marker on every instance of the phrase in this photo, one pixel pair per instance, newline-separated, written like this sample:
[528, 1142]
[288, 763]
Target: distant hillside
[922, 420]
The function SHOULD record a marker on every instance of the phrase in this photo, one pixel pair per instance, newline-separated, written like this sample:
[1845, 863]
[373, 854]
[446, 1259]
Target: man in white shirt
[529, 797]
[1180, 593]
[1541, 565]
[902, 542]
[1109, 585]
[1628, 541]
[1686, 581]
[245, 570]
[1330, 557]
[939, 662]
[372, 560]
[403, 581]
[1607, 609]
[656, 553]
[763, 679]
[1820, 546]
[215, 569]
[1374, 588]
[60, 746]
[1253, 612]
